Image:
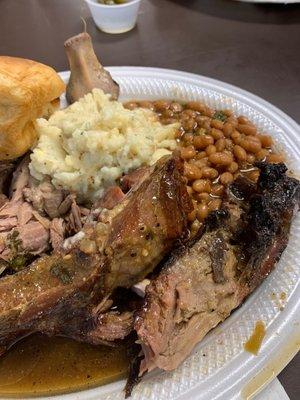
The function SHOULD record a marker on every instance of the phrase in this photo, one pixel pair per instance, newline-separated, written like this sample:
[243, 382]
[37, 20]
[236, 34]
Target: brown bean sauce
[39, 365]
[253, 344]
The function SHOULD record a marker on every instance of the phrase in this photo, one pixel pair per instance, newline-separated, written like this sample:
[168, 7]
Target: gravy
[39, 365]
[254, 342]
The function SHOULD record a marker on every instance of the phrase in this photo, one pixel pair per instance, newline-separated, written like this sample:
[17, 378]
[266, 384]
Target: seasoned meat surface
[184, 302]
[57, 233]
[52, 289]
[134, 178]
[112, 197]
[208, 278]
[104, 328]
[143, 232]
[68, 294]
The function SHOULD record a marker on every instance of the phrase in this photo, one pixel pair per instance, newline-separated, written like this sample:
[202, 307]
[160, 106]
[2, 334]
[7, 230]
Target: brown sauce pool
[39, 365]
[254, 342]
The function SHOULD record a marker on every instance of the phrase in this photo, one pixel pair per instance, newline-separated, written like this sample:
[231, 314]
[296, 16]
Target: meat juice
[39, 365]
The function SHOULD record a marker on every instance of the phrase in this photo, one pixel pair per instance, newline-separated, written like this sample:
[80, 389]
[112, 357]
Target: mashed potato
[89, 145]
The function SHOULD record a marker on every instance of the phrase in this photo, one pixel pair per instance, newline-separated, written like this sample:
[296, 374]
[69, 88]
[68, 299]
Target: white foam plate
[219, 368]
[271, 1]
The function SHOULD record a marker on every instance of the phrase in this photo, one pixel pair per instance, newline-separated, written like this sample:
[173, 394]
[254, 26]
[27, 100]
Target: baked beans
[216, 147]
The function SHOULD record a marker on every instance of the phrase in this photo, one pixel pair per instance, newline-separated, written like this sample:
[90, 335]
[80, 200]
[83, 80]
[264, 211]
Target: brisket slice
[68, 294]
[203, 283]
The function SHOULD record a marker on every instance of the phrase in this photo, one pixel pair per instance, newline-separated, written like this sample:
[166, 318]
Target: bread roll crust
[27, 89]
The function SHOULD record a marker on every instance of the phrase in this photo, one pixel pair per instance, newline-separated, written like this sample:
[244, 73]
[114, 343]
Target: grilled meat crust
[145, 231]
[268, 223]
[69, 294]
[51, 290]
[197, 290]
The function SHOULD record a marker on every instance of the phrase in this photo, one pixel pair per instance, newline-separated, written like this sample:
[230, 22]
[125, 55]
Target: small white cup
[118, 18]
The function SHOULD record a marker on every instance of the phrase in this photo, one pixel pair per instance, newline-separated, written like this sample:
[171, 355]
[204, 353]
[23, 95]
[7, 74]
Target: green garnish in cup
[111, 2]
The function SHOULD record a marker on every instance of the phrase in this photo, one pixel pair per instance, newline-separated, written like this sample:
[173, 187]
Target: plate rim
[240, 92]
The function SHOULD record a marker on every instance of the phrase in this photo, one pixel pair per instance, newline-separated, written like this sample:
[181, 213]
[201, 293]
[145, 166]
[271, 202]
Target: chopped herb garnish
[111, 2]
[62, 273]
[14, 242]
[18, 262]
[220, 116]
[18, 256]
[201, 131]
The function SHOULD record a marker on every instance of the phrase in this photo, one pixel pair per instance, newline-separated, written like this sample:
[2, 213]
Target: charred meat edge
[257, 243]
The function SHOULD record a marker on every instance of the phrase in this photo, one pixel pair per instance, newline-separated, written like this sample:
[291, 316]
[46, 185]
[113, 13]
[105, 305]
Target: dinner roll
[28, 90]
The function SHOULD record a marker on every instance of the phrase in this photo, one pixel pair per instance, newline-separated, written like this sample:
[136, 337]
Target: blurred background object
[271, 1]
[114, 16]
[254, 46]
